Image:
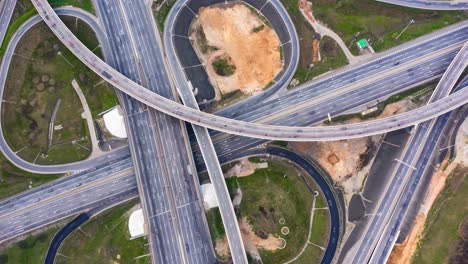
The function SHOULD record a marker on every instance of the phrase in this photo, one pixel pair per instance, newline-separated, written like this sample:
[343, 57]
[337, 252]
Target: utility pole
[407, 26]
[60, 54]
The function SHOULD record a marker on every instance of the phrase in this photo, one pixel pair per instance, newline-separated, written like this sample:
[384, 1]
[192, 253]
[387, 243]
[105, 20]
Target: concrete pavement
[184, 113]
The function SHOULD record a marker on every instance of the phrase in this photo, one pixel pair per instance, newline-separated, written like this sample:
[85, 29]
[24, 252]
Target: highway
[301, 96]
[6, 11]
[243, 133]
[168, 188]
[430, 4]
[9, 153]
[433, 129]
[415, 152]
[80, 185]
[62, 234]
[239, 127]
[109, 183]
[179, 20]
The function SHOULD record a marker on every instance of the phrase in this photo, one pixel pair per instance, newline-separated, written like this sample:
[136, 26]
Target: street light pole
[407, 26]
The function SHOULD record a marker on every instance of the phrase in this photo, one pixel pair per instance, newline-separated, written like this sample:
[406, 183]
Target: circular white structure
[114, 122]
[136, 224]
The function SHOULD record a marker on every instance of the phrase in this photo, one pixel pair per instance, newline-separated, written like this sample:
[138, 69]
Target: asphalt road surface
[184, 113]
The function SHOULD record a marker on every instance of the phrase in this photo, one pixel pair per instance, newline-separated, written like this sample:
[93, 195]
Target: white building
[136, 224]
[114, 122]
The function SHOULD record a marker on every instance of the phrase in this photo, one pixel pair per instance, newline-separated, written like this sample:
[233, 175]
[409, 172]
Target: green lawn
[215, 224]
[14, 26]
[441, 232]
[107, 238]
[416, 93]
[379, 22]
[274, 193]
[25, 10]
[31, 250]
[331, 54]
[14, 180]
[162, 14]
[84, 4]
[27, 112]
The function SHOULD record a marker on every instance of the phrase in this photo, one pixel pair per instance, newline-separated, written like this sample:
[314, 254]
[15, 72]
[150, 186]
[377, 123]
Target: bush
[223, 68]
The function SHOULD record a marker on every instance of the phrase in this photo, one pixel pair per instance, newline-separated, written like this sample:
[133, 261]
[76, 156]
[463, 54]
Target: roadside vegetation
[161, 10]
[379, 22]
[104, 239]
[278, 192]
[203, 42]
[413, 94]
[32, 249]
[332, 56]
[222, 67]
[14, 26]
[83, 4]
[14, 180]
[445, 235]
[40, 75]
[227, 99]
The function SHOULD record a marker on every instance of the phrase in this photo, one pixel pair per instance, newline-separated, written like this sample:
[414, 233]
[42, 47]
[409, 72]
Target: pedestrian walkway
[305, 8]
[95, 151]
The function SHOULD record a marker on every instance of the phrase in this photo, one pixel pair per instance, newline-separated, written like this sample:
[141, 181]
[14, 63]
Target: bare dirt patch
[243, 168]
[346, 160]
[237, 32]
[402, 253]
[252, 242]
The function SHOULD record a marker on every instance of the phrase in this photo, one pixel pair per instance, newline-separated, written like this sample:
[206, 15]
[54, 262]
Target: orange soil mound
[256, 55]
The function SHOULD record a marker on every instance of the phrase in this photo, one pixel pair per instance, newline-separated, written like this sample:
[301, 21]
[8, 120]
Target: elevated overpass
[238, 127]
[381, 229]
[304, 96]
[430, 4]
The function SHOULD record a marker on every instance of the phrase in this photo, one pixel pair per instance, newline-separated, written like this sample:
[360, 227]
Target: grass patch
[256, 159]
[32, 249]
[332, 55]
[414, 92]
[30, 98]
[274, 193]
[202, 42]
[13, 27]
[83, 4]
[108, 237]
[215, 224]
[14, 180]
[258, 29]
[441, 239]
[332, 58]
[379, 22]
[222, 67]
[227, 99]
[161, 14]
[280, 143]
